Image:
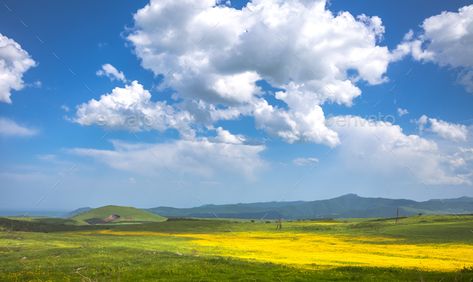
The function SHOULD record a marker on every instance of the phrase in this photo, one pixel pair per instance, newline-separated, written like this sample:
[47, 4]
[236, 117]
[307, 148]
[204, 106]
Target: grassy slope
[422, 229]
[76, 256]
[127, 214]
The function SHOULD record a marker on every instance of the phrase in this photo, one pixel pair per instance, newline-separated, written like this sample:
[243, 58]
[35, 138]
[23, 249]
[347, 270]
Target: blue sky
[185, 104]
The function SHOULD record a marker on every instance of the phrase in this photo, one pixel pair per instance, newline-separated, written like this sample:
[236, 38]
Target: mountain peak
[349, 196]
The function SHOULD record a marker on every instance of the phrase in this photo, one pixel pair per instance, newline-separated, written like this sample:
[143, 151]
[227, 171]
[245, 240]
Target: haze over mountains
[346, 206]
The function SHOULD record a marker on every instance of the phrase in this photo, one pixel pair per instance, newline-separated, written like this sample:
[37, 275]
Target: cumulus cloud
[111, 72]
[402, 112]
[214, 55]
[14, 62]
[10, 128]
[305, 161]
[226, 136]
[131, 108]
[450, 131]
[292, 125]
[446, 40]
[201, 157]
[378, 146]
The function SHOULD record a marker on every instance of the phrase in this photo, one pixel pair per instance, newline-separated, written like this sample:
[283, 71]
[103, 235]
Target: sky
[186, 103]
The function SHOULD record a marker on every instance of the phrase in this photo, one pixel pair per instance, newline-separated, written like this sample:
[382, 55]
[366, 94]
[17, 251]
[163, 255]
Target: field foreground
[423, 248]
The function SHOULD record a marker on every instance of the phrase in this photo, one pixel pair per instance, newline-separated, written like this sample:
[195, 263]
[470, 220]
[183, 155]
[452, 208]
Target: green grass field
[424, 248]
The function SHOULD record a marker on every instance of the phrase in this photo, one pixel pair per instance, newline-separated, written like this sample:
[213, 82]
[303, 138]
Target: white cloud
[455, 132]
[450, 131]
[449, 36]
[35, 84]
[208, 113]
[305, 161]
[200, 157]
[465, 78]
[111, 72]
[422, 121]
[11, 128]
[376, 146]
[225, 136]
[14, 62]
[402, 112]
[307, 124]
[131, 108]
[446, 40]
[65, 108]
[213, 55]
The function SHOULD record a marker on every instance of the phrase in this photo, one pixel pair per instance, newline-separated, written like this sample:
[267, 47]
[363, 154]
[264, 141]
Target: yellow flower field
[309, 250]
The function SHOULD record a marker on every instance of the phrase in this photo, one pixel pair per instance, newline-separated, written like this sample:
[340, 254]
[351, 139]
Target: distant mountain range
[346, 206]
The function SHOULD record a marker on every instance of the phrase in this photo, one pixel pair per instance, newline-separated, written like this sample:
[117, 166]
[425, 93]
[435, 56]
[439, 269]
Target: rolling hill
[113, 214]
[347, 206]
[77, 211]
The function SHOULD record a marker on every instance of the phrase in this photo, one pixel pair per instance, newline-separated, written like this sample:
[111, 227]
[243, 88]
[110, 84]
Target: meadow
[418, 248]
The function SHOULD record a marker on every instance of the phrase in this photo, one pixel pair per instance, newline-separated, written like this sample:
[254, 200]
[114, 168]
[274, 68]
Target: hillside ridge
[344, 206]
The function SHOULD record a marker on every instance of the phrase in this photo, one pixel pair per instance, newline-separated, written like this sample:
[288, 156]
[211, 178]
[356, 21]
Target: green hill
[77, 212]
[114, 214]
